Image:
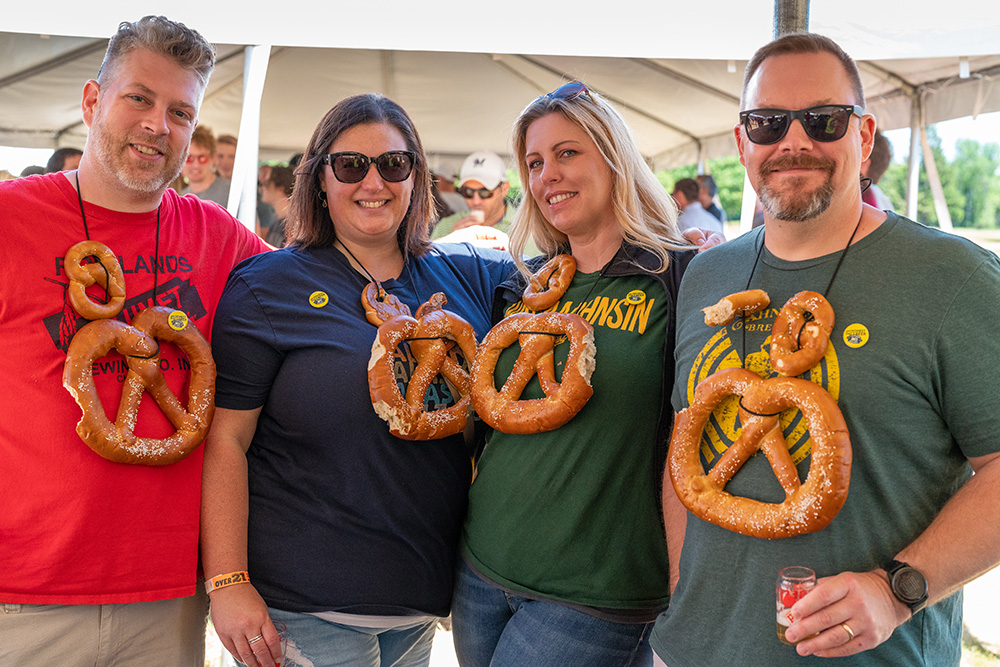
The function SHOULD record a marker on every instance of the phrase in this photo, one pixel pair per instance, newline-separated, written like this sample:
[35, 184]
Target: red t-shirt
[76, 528]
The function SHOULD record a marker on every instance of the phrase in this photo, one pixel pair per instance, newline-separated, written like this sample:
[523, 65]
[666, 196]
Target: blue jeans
[493, 628]
[314, 642]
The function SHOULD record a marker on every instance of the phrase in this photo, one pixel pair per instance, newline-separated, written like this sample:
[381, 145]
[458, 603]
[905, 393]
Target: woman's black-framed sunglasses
[567, 91]
[349, 167]
[823, 123]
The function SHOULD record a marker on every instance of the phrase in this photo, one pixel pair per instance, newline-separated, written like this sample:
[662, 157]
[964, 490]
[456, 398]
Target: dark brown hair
[799, 43]
[309, 222]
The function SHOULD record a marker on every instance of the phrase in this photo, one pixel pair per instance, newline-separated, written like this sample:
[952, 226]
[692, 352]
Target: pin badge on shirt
[635, 297]
[318, 299]
[856, 335]
[178, 320]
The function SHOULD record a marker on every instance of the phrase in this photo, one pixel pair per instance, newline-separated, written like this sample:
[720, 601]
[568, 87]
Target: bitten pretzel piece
[536, 334]
[800, 333]
[725, 311]
[380, 305]
[549, 283]
[106, 273]
[436, 328]
[117, 441]
[808, 506]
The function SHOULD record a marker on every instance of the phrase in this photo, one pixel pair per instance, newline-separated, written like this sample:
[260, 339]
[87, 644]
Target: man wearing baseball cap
[482, 182]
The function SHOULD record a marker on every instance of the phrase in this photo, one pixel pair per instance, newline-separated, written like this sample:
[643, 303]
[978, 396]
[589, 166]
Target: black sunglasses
[823, 123]
[567, 91]
[394, 166]
[484, 193]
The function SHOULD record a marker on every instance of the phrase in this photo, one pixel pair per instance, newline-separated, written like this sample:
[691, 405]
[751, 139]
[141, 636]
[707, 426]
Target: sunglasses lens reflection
[393, 166]
[768, 126]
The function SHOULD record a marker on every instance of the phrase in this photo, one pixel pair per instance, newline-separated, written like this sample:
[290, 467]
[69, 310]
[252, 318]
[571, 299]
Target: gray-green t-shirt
[913, 365]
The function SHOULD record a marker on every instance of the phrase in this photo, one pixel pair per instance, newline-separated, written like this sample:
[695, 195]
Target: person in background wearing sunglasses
[564, 559]
[482, 182]
[912, 362]
[199, 170]
[349, 534]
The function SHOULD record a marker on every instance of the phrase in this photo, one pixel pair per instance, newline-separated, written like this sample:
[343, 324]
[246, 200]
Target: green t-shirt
[913, 366]
[572, 514]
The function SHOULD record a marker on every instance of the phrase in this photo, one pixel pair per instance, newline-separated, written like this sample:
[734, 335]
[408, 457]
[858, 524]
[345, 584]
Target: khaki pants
[170, 633]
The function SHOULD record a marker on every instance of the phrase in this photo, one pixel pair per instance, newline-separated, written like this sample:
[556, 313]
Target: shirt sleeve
[968, 347]
[245, 348]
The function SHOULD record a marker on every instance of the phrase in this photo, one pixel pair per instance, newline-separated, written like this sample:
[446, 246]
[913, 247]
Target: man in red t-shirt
[99, 559]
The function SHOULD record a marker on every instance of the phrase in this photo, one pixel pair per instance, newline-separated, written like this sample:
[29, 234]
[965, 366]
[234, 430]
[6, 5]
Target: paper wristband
[224, 580]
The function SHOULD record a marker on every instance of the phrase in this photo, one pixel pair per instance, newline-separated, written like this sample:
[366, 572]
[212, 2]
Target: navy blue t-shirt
[343, 516]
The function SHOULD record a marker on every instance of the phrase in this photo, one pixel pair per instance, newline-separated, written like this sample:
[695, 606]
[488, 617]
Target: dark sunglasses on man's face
[823, 123]
[394, 166]
[484, 193]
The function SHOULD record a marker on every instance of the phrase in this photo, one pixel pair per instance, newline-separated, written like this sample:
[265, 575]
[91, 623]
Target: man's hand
[861, 601]
[703, 238]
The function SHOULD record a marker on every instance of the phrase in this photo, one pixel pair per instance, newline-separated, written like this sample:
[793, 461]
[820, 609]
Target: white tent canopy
[464, 73]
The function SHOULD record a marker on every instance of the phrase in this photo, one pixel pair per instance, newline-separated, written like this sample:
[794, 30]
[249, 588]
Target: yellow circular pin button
[635, 297]
[318, 299]
[178, 320]
[856, 335]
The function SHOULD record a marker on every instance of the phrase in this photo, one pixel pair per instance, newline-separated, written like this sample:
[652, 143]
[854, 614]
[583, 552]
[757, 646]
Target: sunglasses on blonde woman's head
[349, 167]
[823, 123]
[567, 91]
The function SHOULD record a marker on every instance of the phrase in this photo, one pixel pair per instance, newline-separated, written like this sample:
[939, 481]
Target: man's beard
[136, 175]
[798, 205]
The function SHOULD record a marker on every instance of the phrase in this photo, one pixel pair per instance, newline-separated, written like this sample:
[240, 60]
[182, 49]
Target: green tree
[970, 182]
[975, 171]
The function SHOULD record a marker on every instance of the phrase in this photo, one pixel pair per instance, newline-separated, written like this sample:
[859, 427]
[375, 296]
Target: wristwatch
[907, 584]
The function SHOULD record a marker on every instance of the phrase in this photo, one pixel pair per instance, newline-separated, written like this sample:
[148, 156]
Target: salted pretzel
[808, 506]
[800, 333]
[536, 333]
[746, 303]
[106, 273]
[430, 334]
[138, 343]
[380, 305]
[547, 285]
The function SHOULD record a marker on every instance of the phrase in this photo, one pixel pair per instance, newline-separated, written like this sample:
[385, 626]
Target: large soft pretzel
[808, 506]
[138, 343]
[800, 333]
[536, 334]
[431, 336]
[549, 283]
[106, 273]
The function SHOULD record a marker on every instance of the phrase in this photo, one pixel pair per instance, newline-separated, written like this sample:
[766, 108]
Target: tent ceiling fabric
[679, 108]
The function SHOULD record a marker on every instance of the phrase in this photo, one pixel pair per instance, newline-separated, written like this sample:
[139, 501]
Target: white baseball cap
[484, 166]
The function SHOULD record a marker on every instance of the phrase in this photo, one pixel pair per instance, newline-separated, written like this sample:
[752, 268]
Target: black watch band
[907, 584]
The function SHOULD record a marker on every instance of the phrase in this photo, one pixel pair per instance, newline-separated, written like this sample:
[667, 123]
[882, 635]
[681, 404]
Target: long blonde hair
[646, 214]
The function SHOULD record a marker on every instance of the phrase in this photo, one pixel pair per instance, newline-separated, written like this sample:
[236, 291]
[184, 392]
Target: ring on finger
[254, 640]
[850, 632]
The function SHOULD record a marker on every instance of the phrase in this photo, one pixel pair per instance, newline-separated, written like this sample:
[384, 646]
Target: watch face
[910, 584]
